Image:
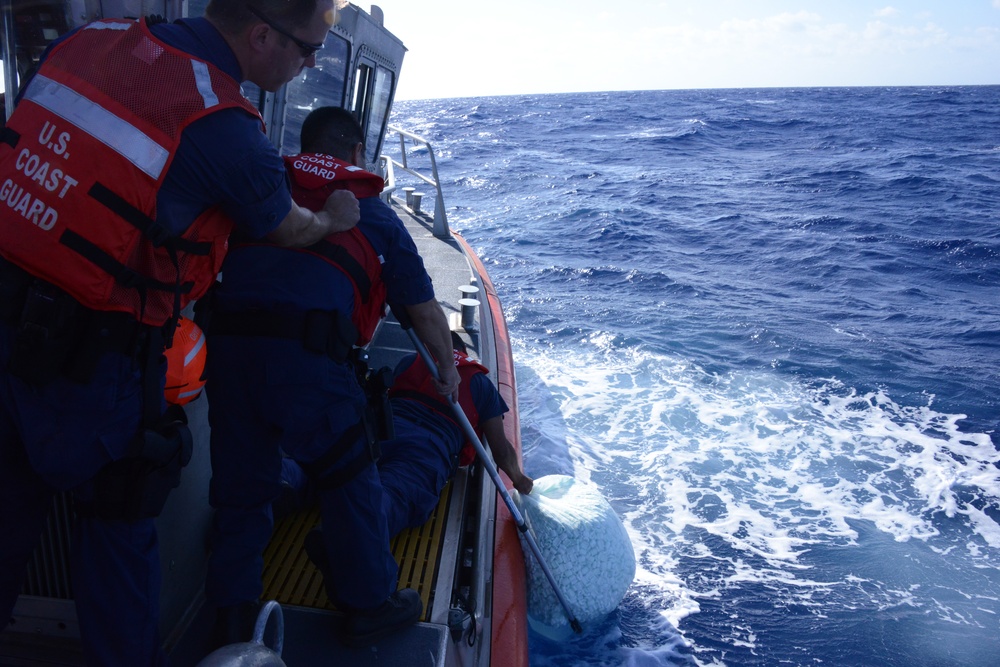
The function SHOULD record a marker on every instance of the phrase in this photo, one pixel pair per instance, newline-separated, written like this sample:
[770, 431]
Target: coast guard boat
[466, 562]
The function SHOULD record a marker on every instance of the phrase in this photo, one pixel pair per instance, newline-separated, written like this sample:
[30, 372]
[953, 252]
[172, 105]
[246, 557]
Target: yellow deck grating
[290, 578]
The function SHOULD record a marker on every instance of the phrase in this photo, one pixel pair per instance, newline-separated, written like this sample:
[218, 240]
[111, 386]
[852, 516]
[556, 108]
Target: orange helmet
[185, 363]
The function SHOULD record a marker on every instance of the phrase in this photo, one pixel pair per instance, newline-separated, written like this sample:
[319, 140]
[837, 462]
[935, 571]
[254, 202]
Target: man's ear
[257, 37]
[358, 155]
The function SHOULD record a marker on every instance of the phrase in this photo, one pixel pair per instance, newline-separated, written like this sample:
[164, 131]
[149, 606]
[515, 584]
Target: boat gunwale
[509, 625]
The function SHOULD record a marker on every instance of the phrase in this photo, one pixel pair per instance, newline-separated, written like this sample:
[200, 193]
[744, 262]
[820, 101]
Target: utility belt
[326, 332]
[55, 334]
[323, 469]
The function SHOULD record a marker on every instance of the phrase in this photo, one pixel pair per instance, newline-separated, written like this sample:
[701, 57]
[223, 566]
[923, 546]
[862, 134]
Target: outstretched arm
[432, 329]
[504, 454]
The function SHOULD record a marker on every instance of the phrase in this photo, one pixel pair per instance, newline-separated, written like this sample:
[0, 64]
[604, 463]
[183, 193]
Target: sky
[473, 48]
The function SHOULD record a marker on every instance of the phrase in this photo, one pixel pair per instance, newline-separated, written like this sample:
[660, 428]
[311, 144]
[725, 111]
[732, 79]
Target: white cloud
[889, 12]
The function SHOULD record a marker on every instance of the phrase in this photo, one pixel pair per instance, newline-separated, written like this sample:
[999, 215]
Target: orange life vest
[86, 152]
[417, 384]
[314, 176]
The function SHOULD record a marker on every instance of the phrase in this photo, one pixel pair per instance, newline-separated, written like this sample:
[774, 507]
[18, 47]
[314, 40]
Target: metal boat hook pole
[490, 468]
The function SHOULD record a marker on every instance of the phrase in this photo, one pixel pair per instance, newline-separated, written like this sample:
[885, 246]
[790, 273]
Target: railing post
[440, 215]
[402, 148]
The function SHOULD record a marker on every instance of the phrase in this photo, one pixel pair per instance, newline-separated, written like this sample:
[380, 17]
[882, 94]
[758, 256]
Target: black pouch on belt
[377, 386]
[48, 333]
[137, 486]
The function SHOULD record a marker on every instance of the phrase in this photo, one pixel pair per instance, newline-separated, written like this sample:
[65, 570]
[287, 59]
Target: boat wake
[758, 504]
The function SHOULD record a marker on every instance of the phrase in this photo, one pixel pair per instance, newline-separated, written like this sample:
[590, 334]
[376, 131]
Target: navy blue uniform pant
[56, 439]
[415, 466]
[269, 397]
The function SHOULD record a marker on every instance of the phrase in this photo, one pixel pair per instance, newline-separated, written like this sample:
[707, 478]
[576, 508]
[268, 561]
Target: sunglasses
[306, 48]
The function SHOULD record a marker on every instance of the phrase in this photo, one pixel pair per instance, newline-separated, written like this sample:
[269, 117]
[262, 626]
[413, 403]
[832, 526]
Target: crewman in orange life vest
[282, 380]
[130, 156]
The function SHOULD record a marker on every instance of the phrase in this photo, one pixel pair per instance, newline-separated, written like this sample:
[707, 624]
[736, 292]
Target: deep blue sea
[765, 324]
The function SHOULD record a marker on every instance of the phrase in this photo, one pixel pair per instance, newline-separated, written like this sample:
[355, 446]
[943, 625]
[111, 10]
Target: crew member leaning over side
[282, 380]
[429, 443]
[129, 156]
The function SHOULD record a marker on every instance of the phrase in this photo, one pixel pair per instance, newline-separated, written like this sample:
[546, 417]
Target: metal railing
[440, 217]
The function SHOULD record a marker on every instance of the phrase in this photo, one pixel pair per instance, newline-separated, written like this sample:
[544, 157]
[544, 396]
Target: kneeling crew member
[281, 381]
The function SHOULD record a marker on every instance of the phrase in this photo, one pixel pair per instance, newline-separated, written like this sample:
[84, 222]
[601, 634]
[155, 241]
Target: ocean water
[765, 324]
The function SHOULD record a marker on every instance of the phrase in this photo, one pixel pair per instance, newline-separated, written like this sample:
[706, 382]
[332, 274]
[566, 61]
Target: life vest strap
[342, 258]
[9, 137]
[121, 273]
[156, 233]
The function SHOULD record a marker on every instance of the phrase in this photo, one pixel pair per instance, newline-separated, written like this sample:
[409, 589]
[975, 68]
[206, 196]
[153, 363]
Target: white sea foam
[748, 473]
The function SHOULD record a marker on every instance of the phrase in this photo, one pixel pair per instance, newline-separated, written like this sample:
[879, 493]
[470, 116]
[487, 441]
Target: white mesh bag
[585, 547]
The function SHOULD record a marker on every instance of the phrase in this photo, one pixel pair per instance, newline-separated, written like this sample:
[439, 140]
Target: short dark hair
[332, 131]
[458, 344]
[234, 15]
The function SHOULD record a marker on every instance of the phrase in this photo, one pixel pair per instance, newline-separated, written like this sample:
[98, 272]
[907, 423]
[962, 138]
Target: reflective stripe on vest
[203, 81]
[116, 133]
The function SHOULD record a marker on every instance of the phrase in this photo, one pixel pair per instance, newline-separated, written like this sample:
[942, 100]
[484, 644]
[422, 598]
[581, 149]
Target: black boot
[235, 624]
[366, 626]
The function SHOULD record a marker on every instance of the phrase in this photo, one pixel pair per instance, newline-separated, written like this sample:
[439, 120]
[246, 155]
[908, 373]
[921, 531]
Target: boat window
[320, 86]
[31, 28]
[362, 88]
[254, 94]
[380, 101]
[372, 96]
[196, 7]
